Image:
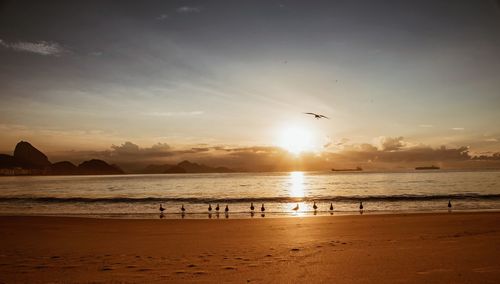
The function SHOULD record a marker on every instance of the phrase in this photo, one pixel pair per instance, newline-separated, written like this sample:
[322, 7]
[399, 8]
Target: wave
[193, 200]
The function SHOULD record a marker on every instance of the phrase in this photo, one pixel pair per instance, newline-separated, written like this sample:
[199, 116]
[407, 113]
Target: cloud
[387, 153]
[335, 143]
[129, 149]
[188, 9]
[489, 157]
[162, 17]
[175, 113]
[391, 143]
[40, 47]
[458, 128]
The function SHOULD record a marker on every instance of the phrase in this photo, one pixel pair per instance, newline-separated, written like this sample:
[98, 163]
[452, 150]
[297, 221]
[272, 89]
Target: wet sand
[412, 248]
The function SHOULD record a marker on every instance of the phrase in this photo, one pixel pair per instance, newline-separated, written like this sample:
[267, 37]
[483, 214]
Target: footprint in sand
[200, 272]
[486, 269]
[439, 270]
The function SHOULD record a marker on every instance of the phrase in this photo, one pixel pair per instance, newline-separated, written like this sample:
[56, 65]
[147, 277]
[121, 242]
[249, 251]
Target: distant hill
[184, 167]
[156, 169]
[28, 160]
[63, 168]
[98, 167]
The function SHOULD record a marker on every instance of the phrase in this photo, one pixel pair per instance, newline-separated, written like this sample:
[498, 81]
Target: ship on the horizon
[357, 169]
[428, 168]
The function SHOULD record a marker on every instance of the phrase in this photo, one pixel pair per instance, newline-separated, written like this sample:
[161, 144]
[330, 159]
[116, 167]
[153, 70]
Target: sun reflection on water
[297, 184]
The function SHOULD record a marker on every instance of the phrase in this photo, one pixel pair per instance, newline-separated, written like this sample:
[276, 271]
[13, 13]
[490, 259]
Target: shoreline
[245, 215]
[460, 247]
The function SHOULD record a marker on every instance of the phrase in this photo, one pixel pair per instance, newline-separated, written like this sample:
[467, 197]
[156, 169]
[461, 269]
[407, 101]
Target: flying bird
[317, 116]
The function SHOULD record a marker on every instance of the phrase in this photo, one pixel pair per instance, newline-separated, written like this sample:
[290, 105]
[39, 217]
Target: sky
[172, 78]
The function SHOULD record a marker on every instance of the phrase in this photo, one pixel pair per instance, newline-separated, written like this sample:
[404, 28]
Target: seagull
[161, 208]
[251, 206]
[262, 208]
[217, 207]
[449, 204]
[331, 206]
[182, 208]
[209, 207]
[296, 208]
[317, 116]
[315, 207]
[227, 209]
[361, 205]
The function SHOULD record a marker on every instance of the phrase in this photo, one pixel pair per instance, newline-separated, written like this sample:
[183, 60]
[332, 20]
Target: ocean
[139, 196]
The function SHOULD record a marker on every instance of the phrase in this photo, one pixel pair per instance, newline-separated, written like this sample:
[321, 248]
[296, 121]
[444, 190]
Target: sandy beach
[410, 248]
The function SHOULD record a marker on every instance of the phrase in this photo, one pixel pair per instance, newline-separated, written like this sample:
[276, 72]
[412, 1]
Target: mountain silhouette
[184, 167]
[30, 157]
[28, 160]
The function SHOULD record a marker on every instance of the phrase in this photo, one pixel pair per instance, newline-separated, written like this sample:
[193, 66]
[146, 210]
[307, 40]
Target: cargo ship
[428, 168]
[357, 169]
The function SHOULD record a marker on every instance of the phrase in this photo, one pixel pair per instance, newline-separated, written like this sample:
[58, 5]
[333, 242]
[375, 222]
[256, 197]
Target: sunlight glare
[295, 140]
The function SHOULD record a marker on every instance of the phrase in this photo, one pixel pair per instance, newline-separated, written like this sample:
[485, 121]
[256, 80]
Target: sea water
[139, 196]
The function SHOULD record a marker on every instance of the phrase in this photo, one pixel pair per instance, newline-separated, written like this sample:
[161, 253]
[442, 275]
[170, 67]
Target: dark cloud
[392, 153]
[490, 157]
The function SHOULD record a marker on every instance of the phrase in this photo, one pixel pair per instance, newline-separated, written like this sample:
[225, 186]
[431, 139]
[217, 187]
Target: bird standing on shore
[296, 208]
[183, 209]
[317, 116]
[217, 207]
[315, 207]
[262, 208]
[361, 205]
[449, 204]
[251, 206]
[227, 209]
[331, 206]
[161, 208]
[209, 207]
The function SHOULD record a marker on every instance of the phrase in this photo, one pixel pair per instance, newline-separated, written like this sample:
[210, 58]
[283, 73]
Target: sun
[295, 140]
